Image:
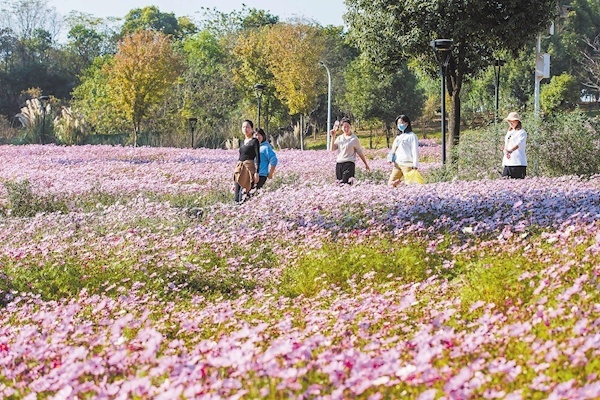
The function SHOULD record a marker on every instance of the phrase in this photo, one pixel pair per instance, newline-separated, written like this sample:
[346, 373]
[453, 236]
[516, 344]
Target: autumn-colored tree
[294, 51]
[141, 73]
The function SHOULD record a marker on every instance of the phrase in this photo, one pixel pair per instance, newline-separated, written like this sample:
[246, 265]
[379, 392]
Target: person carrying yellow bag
[404, 154]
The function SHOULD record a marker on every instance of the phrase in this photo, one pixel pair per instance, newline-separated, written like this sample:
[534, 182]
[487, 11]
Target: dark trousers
[514, 172]
[344, 171]
[261, 181]
[238, 195]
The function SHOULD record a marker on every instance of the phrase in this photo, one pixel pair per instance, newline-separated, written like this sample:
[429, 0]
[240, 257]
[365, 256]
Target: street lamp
[259, 88]
[192, 121]
[43, 100]
[497, 65]
[442, 49]
[328, 104]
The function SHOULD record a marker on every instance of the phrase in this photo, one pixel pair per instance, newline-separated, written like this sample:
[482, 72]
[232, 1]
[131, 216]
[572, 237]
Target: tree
[140, 75]
[207, 91]
[590, 66]
[153, 19]
[294, 51]
[390, 31]
[562, 93]
[374, 94]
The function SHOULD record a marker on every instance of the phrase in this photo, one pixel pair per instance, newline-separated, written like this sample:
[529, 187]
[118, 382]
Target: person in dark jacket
[246, 169]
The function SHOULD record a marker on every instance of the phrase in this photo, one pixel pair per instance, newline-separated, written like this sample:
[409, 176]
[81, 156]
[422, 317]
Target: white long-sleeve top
[513, 138]
[406, 149]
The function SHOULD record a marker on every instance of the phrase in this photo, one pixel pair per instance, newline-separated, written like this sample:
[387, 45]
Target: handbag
[413, 177]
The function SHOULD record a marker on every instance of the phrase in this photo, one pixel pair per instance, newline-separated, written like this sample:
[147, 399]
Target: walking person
[268, 159]
[347, 147]
[514, 161]
[246, 169]
[404, 154]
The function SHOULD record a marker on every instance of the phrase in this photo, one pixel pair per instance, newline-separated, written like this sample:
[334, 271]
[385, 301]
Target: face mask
[402, 127]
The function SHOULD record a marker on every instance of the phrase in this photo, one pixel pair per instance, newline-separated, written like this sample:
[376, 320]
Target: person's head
[346, 125]
[514, 120]
[247, 128]
[403, 123]
[260, 135]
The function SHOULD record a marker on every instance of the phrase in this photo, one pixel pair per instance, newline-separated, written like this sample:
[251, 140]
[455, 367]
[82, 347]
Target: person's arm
[361, 153]
[334, 145]
[257, 151]
[521, 137]
[272, 163]
[415, 152]
[364, 160]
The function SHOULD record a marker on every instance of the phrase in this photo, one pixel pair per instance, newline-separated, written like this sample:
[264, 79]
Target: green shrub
[335, 265]
[24, 202]
[565, 144]
[562, 93]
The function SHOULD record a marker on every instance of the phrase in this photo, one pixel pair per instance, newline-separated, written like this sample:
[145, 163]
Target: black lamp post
[442, 49]
[259, 88]
[192, 121]
[497, 65]
[43, 100]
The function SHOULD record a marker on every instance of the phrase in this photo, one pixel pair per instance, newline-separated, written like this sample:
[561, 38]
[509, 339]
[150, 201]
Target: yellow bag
[413, 177]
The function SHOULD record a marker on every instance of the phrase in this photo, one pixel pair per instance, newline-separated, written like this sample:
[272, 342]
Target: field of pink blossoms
[147, 281]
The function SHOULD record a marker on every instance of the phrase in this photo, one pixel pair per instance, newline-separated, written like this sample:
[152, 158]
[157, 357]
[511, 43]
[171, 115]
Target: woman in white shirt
[347, 147]
[515, 159]
[404, 154]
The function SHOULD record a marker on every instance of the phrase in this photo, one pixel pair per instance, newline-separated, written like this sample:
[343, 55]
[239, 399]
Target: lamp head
[442, 44]
[258, 88]
[192, 121]
[44, 98]
[499, 63]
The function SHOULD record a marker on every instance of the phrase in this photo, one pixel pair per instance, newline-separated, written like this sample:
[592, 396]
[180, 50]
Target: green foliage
[206, 89]
[141, 74]
[389, 33]
[6, 288]
[205, 273]
[566, 144]
[563, 144]
[151, 18]
[494, 279]
[23, 201]
[562, 93]
[373, 93]
[334, 265]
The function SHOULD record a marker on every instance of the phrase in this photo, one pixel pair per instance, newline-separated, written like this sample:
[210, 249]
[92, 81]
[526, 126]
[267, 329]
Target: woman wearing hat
[515, 159]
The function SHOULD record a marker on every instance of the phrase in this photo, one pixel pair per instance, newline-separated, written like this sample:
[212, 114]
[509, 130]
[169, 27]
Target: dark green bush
[23, 201]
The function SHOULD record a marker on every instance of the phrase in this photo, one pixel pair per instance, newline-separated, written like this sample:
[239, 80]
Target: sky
[325, 12]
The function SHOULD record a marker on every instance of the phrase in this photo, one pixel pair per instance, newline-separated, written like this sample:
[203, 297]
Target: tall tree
[294, 51]
[390, 31]
[207, 91]
[152, 18]
[141, 73]
[375, 94]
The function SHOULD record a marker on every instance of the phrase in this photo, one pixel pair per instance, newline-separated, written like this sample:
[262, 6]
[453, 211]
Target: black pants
[344, 171]
[261, 181]
[514, 172]
[239, 193]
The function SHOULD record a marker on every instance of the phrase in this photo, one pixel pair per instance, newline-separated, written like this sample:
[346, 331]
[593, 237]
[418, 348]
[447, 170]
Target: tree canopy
[389, 32]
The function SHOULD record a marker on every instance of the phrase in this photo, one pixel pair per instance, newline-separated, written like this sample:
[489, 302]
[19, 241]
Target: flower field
[131, 273]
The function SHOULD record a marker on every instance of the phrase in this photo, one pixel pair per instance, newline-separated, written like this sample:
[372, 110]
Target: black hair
[406, 120]
[345, 119]
[261, 132]
[249, 123]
